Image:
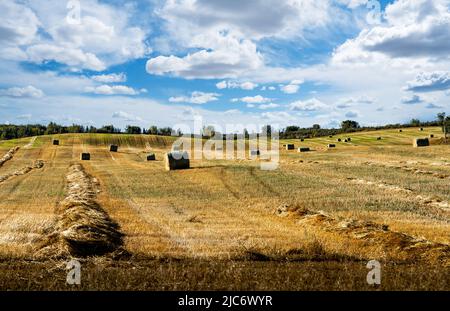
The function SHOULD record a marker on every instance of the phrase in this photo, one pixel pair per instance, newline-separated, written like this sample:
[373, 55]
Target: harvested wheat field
[312, 224]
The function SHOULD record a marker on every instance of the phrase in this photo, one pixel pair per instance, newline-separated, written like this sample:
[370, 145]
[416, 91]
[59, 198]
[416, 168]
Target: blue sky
[284, 62]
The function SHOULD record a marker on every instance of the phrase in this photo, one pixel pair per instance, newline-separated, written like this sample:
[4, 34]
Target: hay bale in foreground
[290, 147]
[421, 142]
[304, 149]
[85, 156]
[55, 142]
[113, 148]
[177, 160]
[331, 146]
[151, 157]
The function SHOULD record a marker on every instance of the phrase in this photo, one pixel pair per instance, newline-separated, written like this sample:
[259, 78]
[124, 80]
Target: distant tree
[349, 125]
[316, 126]
[415, 122]
[208, 131]
[130, 129]
[292, 128]
[153, 130]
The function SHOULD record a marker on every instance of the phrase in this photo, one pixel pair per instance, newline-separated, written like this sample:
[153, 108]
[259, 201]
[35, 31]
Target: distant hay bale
[331, 146]
[400, 131]
[349, 139]
[254, 153]
[302, 139]
[290, 146]
[431, 136]
[339, 140]
[421, 129]
[345, 140]
[113, 148]
[421, 142]
[151, 157]
[331, 136]
[55, 142]
[304, 149]
[378, 138]
[177, 160]
[85, 156]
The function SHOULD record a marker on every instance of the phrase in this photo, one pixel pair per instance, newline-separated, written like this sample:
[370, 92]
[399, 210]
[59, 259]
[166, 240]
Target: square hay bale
[254, 153]
[304, 149]
[290, 147]
[55, 142]
[421, 142]
[331, 146]
[85, 156]
[151, 157]
[177, 160]
[302, 139]
[113, 148]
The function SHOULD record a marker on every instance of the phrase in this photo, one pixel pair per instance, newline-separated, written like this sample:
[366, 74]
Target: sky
[166, 63]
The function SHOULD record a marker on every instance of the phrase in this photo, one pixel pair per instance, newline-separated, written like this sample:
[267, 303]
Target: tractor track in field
[262, 183]
[406, 168]
[9, 155]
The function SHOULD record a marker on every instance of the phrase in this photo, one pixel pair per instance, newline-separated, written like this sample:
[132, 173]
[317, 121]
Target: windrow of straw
[405, 246]
[82, 228]
[9, 155]
[24, 170]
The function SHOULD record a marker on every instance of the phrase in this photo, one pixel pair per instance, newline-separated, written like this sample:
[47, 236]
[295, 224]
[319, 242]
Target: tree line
[9, 131]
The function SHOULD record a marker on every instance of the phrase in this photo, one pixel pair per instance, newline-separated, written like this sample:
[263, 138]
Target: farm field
[313, 224]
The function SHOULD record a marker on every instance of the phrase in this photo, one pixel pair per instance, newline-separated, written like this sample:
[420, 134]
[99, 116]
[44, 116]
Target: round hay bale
[177, 160]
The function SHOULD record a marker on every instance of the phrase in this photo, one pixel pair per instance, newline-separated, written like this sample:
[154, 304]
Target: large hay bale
[290, 147]
[177, 160]
[113, 148]
[304, 149]
[151, 157]
[85, 156]
[331, 146]
[421, 142]
[55, 142]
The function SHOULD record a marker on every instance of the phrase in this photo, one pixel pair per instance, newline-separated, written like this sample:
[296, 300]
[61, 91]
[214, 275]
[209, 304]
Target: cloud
[412, 29]
[125, 116]
[312, 104]
[228, 57]
[268, 106]
[196, 98]
[352, 101]
[258, 99]
[39, 32]
[110, 78]
[430, 81]
[234, 85]
[27, 91]
[412, 100]
[433, 106]
[352, 114]
[292, 87]
[111, 90]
